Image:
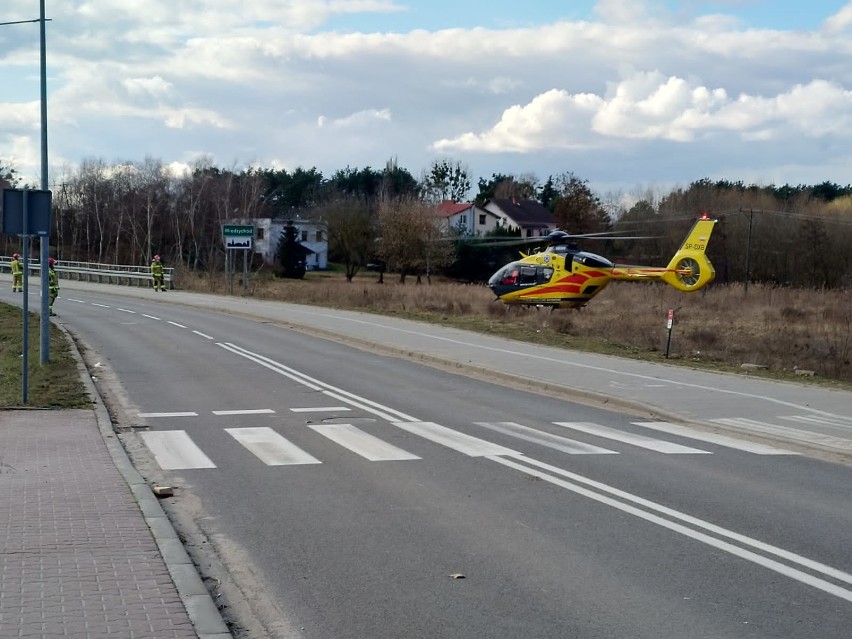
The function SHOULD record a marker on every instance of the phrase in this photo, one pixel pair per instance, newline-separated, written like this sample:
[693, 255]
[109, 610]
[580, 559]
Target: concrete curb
[200, 607]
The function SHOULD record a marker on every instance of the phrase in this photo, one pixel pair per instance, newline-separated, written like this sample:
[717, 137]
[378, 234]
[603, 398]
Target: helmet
[156, 258]
[50, 261]
[15, 256]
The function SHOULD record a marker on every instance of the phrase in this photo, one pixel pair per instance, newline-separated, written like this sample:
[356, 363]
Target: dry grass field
[788, 331]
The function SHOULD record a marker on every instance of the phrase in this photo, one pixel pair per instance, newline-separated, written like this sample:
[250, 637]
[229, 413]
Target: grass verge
[54, 385]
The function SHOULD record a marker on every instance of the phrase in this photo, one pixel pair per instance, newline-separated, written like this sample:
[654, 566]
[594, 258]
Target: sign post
[27, 213]
[237, 237]
[669, 324]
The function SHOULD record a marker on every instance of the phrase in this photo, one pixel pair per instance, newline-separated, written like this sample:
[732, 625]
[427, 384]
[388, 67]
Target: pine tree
[290, 254]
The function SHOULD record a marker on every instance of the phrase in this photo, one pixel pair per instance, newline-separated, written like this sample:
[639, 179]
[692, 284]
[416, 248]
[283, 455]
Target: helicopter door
[534, 275]
[544, 274]
[527, 276]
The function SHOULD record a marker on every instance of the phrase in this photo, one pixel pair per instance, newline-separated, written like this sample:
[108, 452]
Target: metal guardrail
[128, 275]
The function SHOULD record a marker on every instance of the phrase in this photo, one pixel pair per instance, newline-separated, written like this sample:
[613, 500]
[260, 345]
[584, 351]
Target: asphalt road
[348, 489]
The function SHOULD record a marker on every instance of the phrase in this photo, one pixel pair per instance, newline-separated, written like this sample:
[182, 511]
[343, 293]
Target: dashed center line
[176, 324]
[186, 414]
[204, 335]
[151, 317]
[101, 305]
[319, 409]
[125, 310]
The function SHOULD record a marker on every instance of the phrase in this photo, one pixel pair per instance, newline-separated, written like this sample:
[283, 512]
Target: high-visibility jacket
[53, 280]
[17, 267]
[157, 268]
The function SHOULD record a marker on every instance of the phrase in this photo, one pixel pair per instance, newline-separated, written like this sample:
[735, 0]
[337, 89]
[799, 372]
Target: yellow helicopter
[563, 276]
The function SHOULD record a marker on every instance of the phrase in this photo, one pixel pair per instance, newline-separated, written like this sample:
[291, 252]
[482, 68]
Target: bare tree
[351, 231]
[410, 239]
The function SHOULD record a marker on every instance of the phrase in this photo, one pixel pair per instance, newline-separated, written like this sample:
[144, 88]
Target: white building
[465, 218]
[268, 232]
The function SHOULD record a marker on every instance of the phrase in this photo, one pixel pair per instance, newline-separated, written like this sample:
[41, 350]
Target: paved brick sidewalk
[77, 558]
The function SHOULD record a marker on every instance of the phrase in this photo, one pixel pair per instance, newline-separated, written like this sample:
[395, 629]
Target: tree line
[124, 213]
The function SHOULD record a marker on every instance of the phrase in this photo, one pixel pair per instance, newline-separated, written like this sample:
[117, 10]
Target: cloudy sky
[628, 94]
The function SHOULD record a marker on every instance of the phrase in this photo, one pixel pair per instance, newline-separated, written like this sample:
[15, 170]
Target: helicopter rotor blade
[518, 241]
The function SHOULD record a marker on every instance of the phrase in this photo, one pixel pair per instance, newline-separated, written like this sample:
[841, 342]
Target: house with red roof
[465, 218]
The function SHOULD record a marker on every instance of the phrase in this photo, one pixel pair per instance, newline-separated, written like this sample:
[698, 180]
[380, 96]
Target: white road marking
[715, 438]
[249, 411]
[836, 420]
[270, 447]
[176, 324]
[320, 409]
[563, 444]
[467, 444]
[125, 310]
[380, 410]
[174, 450]
[100, 305]
[784, 431]
[362, 443]
[602, 496]
[151, 317]
[71, 299]
[186, 414]
[836, 425]
[204, 335]
[641, 441]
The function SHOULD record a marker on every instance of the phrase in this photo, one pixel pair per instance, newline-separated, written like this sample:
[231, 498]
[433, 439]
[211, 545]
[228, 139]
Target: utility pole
[748, 249]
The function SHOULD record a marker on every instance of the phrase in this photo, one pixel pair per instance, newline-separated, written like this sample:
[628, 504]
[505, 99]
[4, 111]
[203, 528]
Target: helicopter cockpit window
[517, 274]
[508, 276]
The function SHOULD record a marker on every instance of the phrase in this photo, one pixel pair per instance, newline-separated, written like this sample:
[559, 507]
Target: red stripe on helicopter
[547, 290]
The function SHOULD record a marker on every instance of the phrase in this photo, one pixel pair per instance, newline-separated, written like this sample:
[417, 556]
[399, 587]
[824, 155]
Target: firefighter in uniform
[17, 274]
[53, 283]
[157, 274]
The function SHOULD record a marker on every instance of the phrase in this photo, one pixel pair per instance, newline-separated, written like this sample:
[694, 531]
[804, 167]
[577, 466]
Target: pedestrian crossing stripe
[765, 428]
[364, 444]
[548, 440]
[715, 438]
[635, 440]
[175, 450]
[270, 447]
[467, 444]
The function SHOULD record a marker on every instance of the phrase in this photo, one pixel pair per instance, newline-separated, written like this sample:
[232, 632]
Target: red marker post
[669, 324]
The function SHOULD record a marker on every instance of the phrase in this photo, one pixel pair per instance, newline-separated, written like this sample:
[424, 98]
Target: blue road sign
[38, 212]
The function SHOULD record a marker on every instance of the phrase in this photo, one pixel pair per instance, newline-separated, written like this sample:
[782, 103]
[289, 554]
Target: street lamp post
[44, 248]
[44, 343]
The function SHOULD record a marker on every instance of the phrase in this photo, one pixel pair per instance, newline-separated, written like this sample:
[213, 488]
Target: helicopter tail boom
[689, 269]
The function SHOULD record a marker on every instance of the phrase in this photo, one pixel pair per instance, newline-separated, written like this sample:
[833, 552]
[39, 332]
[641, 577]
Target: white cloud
[179, 169]
[154, 86]
[553, 119]
[23, 153]
[355, 120]
[840, 21]
[20, 115]
[651, 107]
